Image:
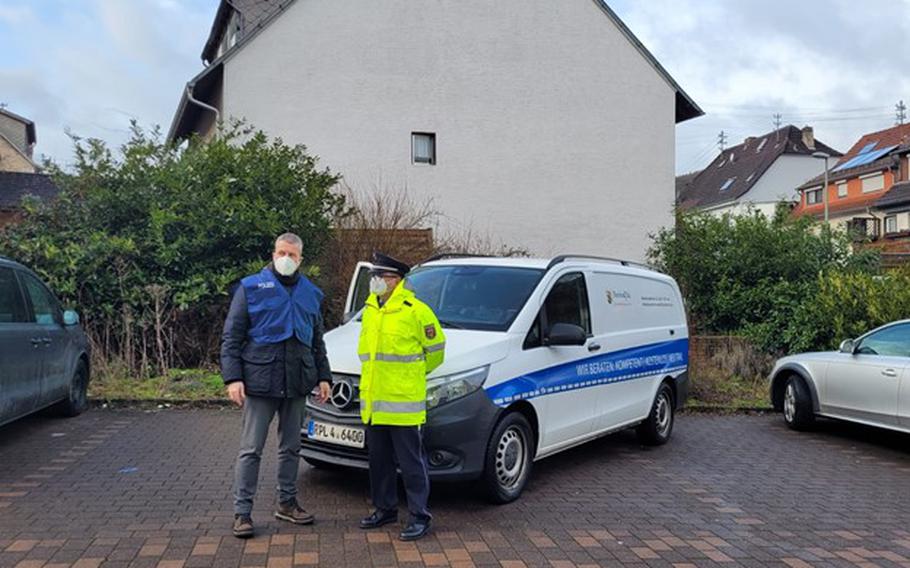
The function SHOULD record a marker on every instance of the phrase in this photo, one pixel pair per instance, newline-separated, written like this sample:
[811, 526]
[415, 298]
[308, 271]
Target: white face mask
[286, 266]
[378, 286]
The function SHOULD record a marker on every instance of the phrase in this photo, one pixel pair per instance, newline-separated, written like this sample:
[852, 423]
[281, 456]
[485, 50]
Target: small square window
[891, 224]
[813, 196]
[423, 148]
[842, 190]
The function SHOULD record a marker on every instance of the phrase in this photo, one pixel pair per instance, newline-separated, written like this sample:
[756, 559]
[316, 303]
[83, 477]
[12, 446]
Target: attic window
[727, 184]
[752, 175]
[761, 145]
[732, 157]
[722, 162]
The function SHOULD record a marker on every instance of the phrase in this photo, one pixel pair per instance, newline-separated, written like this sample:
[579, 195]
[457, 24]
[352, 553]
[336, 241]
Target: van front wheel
[658, 426]
[509, 458]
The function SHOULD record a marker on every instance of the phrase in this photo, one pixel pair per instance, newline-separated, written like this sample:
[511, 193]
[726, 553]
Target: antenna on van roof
[564, 257]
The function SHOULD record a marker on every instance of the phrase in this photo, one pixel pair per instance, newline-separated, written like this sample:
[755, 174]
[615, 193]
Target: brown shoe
[292, 513]
[243, 526]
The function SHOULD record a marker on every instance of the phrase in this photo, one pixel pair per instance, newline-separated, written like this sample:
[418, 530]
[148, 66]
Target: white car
[866, 381]
[541, 355]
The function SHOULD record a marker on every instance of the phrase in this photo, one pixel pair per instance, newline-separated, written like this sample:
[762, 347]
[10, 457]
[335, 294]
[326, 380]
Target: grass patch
[710, 388]
[178, 385]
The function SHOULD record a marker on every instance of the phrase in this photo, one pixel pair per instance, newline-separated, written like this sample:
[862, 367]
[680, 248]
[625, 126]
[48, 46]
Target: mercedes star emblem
[342, 394]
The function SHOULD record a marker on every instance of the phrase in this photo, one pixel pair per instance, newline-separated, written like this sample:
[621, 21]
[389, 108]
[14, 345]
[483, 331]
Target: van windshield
[484, 298]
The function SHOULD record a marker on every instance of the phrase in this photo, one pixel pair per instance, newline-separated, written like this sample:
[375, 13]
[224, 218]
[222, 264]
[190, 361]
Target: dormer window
[727, 184]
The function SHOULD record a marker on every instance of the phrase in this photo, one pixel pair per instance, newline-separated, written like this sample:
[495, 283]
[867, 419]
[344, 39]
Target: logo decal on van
[625, 365]
[619, 297]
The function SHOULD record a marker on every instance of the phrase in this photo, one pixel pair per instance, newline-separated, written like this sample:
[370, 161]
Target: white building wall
[553, 132]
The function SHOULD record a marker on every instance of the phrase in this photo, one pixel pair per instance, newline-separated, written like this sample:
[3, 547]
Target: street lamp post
[825, 157]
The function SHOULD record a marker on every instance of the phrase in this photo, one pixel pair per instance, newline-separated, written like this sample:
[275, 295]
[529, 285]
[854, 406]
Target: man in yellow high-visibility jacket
[400, 342]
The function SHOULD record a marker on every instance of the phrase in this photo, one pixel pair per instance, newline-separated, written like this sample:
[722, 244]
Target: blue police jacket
[276, 315]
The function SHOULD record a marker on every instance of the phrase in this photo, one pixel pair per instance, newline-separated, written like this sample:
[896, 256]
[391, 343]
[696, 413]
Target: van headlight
[451, 387]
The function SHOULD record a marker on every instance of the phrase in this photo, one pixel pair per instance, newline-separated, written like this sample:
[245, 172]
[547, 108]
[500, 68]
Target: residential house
[546, 125]
[19, 176]
[757, 174]
[856, 182]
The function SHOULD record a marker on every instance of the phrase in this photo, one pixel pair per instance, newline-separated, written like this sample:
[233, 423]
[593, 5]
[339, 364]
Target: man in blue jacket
[272, 357]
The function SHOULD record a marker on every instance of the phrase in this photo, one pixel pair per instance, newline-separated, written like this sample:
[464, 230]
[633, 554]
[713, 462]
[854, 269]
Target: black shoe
[378, 518]
[243, 526]
[415, 530]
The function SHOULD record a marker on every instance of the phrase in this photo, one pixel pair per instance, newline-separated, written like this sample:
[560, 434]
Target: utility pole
[900, 112]
[722, 140]
[777, 121]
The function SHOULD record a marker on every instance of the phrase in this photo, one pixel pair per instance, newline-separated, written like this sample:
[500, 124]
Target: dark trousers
[403, 445]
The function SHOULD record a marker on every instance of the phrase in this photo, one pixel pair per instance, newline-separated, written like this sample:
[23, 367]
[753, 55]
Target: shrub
[146, 244]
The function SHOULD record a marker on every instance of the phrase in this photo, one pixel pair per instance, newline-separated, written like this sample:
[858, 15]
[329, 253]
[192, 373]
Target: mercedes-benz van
[541, 355]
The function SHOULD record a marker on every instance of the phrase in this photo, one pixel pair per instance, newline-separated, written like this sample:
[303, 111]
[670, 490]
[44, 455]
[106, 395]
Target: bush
[146, 244]
[754, 276]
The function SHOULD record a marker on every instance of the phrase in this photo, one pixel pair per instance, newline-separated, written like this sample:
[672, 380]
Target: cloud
[89, 66]
[835, 65]
[15, 15]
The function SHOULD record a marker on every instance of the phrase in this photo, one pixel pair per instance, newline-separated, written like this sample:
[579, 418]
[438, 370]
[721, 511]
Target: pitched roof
[14, 186]
[736, 170]
[875, 145]
[898, 195]
[29, 125]
[254, 14]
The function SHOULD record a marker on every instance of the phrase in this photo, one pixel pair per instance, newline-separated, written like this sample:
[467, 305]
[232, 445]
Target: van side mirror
[565, 334]
[848, 346]
[70, 317]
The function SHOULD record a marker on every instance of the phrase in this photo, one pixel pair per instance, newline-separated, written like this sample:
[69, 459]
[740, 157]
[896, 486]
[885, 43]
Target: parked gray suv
[44, 354]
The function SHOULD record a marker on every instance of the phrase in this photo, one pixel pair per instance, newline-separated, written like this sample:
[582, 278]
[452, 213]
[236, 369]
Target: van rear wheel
[658, 426]
[509, 458]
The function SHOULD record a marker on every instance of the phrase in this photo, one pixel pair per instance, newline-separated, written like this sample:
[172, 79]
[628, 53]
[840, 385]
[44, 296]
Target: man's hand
[236, 392]
[325, 391]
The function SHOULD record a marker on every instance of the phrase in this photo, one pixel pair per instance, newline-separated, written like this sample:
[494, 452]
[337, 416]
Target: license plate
[336, 434]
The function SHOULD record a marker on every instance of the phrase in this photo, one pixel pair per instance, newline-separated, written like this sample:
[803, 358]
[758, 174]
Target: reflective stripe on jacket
[400, 343]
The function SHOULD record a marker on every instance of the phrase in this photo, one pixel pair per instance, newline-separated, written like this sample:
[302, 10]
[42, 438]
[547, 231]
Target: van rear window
[484, 298]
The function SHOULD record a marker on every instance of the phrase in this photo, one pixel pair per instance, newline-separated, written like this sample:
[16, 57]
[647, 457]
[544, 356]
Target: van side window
[567, 302]
[12, 305]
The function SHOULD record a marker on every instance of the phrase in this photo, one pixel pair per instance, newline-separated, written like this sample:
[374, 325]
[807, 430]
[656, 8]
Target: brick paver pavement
[135, 488]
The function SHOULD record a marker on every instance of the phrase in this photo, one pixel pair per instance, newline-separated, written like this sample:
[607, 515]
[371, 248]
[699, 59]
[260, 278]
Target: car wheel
[77, 400]
[509, 457]
[658, 426]
[798, 412]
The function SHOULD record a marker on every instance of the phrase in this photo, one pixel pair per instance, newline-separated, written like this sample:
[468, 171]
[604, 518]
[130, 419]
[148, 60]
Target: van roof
[539, 263]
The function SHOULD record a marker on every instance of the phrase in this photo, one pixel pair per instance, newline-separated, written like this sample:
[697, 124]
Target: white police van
[541, 355]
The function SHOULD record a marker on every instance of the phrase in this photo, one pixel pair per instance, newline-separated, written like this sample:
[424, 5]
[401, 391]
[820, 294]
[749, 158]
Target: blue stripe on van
[618, 366]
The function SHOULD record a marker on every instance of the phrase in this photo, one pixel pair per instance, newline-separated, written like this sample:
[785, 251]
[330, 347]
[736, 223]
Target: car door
[358, 290]
[47, 319]
[864, 385]
[20, 387]
[568, 413]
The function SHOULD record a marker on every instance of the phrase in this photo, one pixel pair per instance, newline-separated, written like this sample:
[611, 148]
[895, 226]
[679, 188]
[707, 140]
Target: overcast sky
[88, 66]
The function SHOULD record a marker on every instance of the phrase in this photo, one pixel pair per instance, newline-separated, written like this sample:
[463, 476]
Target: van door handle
[889, 373]
[594, 347]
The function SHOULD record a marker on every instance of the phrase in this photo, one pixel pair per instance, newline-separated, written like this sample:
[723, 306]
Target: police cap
[383, 263]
